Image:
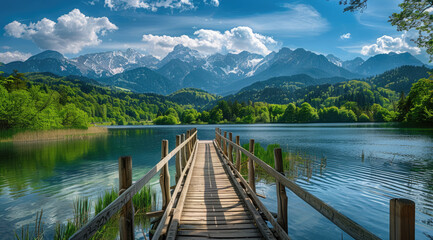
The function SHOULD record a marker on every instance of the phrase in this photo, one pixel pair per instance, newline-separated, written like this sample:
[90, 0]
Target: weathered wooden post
[221, 144]
[178, 159]
[188, 150]
[164, 177]
[225, 143]
[402, 219]
[281, 191]
[230, 148]
[251, 174]
[238, 155]
[216, 135]
[126, 221]
[183, 152]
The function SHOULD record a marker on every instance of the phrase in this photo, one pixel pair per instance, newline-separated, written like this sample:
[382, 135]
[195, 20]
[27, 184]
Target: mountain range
[217, 73]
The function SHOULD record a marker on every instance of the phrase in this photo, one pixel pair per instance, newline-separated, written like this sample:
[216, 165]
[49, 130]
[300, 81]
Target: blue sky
[209, 26]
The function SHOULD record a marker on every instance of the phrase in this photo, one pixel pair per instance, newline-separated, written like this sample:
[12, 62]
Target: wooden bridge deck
[213, 207]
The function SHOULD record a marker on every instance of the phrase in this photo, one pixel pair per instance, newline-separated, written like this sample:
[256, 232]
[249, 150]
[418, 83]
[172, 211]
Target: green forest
[46, 101]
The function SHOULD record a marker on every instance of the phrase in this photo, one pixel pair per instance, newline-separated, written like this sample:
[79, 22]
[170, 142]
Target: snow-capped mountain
[218, 73]
[107, 64]
[184, 54]
[335, 60]
[233, 66]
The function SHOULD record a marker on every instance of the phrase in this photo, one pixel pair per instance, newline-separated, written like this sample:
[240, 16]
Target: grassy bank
[56, 134]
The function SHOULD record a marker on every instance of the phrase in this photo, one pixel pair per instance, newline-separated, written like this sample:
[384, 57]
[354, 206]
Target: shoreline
[54, 135]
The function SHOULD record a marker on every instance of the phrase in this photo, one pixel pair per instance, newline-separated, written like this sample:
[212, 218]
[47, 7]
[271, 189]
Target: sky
[154, 27]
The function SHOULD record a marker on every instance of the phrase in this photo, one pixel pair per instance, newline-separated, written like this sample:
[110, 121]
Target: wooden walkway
[213, 207]
[212, 200]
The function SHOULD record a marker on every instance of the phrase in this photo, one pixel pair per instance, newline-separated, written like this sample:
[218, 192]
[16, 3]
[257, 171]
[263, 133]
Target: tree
[415, 15]
[307, 113]
[290, 114]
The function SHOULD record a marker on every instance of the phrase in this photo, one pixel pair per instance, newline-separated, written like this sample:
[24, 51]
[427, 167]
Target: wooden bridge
[212, 200]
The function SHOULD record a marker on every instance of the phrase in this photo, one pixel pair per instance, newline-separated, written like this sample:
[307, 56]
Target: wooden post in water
[230, 148]
[225, 143]
[164, 177]
[251, 174]
[178, 159]
[402, 219]
[238, 155]
[183, 154]
[126, 221]
[281, 191]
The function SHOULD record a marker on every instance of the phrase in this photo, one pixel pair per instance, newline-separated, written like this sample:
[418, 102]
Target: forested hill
[192, 96]
[47, 101]
[300, 88]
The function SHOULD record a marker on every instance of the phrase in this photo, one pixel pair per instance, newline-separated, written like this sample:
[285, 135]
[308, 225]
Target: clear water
[397, 162]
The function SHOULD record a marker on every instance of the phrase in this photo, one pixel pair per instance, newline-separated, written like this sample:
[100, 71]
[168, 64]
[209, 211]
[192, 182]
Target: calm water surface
[397, 162]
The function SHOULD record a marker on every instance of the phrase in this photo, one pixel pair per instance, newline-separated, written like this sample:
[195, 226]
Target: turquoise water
[397, 162]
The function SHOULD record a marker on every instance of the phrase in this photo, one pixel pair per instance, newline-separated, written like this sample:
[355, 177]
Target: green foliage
[46, 101]
[417, 107]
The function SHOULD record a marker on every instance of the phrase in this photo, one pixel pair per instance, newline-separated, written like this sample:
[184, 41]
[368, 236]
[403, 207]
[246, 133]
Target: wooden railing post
[230, 148]
[251, 173]
[178, 159]
[126, 221]
[238, 155]
[188, 150]
[164, 177]
[281, 191]
[183, 153]
[216, 135]
[225, 143]
[402, 219]
[221, 144]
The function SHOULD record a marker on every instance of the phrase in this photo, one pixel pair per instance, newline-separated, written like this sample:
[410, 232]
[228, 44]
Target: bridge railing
[402, 211]
[185, 147]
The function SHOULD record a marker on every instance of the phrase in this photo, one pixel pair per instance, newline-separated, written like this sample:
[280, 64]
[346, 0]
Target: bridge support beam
[126, 222]
[281, 191]
[251, 168]
[164, 177]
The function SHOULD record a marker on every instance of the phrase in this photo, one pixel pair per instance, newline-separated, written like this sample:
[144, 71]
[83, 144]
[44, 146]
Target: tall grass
[143, 201]
[37, 234]
[56, 134]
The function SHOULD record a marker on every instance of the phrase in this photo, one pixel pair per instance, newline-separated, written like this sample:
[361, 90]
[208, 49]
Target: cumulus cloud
[71, 33]
[208, 42]
[345, 36]
[387, 44]
[7, 57]
[154, 5]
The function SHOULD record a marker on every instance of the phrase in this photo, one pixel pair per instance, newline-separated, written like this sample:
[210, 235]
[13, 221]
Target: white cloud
[7, 57]
[345, 36]
[154, 5]
[71, 33]
[209, 42]
[387, 44]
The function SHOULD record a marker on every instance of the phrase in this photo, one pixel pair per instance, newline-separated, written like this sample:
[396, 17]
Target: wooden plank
[215, 222]
[344, 223]
[220, 233]
[218, 227]
[281, 191]
[267, 234]
[206, 238]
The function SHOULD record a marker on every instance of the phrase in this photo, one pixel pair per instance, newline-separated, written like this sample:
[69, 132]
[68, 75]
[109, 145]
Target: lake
[397, 162]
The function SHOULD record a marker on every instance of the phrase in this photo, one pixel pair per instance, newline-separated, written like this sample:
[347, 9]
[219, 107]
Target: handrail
[344, 223]
[99, 220]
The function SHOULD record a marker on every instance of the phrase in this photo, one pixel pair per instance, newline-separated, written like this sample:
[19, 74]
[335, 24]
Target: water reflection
[325, 159]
